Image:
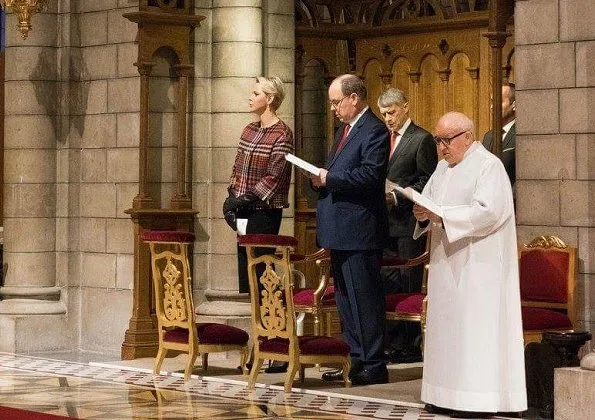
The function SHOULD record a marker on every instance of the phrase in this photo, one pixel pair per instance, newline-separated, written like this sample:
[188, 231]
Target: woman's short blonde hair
[272, 87]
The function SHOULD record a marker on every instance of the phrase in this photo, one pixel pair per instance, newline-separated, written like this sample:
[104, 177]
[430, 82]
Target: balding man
[473, 360]
[351, 223]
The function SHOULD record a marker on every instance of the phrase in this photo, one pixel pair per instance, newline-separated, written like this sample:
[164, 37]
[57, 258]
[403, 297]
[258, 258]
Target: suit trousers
[259, 221]
[361, 305]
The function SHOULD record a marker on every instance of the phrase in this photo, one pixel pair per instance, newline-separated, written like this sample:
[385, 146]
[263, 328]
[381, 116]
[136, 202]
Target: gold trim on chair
[174, 307]
[554, 244]
[273, 315]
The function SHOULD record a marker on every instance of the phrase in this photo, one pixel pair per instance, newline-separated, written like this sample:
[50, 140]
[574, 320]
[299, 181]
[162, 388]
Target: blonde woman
[259, 182]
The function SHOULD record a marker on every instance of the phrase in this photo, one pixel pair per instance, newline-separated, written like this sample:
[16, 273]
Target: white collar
[357, 117]
[508, 126]
[404, 128]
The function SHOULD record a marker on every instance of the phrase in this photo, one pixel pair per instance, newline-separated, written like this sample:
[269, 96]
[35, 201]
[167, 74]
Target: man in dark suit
[412, 160]
[351, 223]
[508, 132]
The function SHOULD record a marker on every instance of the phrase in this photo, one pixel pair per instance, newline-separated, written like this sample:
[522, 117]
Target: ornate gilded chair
[174, 305]
[319, 301]
[547, 271]
[273, 314]
[409, 306]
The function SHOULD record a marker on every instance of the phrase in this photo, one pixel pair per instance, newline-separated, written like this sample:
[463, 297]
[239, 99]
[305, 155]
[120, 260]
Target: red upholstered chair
[174, 306]
[547, 270]
[409, 306]
[273, 314]
[319, 301]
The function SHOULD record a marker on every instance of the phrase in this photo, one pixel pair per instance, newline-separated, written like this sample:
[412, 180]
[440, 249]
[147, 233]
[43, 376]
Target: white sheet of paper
[242, 224]
[301, 163]
[416, 197]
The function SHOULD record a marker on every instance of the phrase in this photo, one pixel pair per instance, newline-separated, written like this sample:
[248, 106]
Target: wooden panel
[401, 79]
[460, 86]
[374, 84]
[430, 93]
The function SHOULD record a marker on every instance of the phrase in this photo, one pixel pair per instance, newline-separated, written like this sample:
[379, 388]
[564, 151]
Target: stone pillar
[31, 124]
[237, 59]
[279, 60]
[249, 39]
[555, 149]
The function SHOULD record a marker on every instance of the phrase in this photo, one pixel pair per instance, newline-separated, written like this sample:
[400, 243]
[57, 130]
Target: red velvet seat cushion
[309, 345]
[266, 239]
[544, 319]
[305, 297]
[407, 303]
[167, 236]
[544, 275]
[209, 333]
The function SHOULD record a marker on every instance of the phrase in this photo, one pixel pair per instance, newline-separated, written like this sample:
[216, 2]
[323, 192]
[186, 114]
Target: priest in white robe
[474, 353]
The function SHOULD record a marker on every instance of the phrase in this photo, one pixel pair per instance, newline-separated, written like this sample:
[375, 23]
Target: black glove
[231, 219]
[232, 203]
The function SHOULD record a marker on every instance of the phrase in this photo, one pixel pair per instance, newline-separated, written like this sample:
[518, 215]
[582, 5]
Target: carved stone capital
[144, 67]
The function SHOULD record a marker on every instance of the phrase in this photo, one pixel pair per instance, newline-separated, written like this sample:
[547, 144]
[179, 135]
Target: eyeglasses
[446, 140]
[337, 102]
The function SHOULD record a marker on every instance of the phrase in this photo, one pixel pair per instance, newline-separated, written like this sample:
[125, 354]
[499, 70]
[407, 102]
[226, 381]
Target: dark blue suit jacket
[351, 209]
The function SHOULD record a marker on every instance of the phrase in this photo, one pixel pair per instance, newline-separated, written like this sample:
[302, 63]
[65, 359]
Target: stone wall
[71, 157]
[555, 82]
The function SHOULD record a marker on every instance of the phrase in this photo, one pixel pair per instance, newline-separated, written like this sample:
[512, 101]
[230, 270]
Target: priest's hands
[422, 214]
[320, 179]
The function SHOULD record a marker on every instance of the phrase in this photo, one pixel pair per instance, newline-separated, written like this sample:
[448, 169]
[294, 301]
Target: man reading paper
[473, 360]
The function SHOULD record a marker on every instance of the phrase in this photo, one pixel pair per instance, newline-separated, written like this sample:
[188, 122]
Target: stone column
[555, 146]
[279, 60]
[237, 59]
[31, 123]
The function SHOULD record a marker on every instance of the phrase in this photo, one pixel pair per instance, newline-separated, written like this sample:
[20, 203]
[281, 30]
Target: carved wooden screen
[433, 50]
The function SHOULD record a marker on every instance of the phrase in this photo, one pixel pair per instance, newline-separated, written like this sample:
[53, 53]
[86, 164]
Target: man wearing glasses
[473, 359]
[351, 223]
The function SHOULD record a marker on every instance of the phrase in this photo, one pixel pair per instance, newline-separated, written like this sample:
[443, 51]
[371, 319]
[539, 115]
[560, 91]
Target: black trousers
[361, 305]
[259, 221]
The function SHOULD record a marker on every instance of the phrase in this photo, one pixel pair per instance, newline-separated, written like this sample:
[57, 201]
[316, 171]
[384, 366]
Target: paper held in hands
[302, 164]
[417, 198]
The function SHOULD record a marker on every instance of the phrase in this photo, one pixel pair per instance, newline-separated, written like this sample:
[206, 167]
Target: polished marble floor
[120, 390]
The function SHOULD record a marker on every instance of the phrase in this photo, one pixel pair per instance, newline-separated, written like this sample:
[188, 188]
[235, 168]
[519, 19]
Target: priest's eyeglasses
[445, 141]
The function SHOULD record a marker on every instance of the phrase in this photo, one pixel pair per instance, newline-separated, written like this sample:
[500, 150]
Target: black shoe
[457, 414]
[404, 356]
[368, 377]
[277, 367]
[434, 409]
[333, 375]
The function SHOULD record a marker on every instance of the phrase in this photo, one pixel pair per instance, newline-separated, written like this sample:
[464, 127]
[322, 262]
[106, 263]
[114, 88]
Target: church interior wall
[76, 124]
[555, 82]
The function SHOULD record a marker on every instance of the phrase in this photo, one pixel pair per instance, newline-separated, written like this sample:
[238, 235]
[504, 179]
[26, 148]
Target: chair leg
[205, 361]
[329, 323]
[159, 360]
[346, 369]
[302, 373]
[244, 360]
[254, 372]
[316, 323]
[291, 371]
[192, 354]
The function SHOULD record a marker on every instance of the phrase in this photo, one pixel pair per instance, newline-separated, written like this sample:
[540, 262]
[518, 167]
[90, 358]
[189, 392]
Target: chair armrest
[406, 263]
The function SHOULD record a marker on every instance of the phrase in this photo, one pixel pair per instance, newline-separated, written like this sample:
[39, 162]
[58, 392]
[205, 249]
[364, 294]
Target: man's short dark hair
[353, 84]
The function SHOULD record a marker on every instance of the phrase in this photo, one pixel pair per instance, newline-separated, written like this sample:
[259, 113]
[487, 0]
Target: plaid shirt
[260, 166]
